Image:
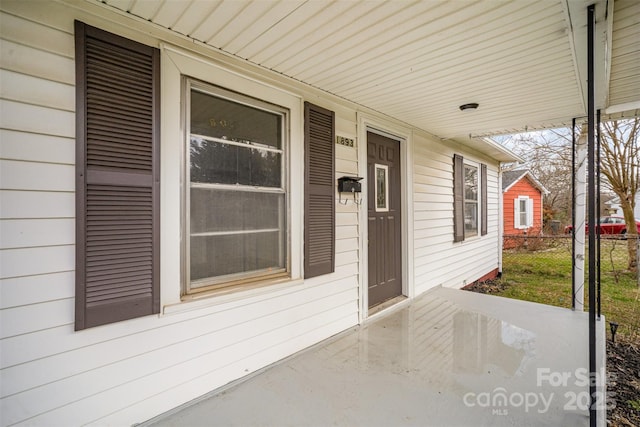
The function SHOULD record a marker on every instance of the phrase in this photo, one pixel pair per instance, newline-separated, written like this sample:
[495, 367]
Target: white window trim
[176, 63]
[192, 287]
[478, 200]
[516, 212]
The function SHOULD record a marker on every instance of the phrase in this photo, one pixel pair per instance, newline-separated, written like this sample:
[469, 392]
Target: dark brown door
[385, 254]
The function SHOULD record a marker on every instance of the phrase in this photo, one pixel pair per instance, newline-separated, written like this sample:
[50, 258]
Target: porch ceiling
[524, 62]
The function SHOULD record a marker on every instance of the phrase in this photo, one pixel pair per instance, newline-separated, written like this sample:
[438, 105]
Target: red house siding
[523, 187]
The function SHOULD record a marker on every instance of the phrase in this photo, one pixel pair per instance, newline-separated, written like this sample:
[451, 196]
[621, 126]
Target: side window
[117, 178]
[469, 199]
[458, 198]
[236, 193]
[523, 212]
[484, 201]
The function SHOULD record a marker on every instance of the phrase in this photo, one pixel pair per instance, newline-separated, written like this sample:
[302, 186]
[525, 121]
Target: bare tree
[620, 164]
[548, 156]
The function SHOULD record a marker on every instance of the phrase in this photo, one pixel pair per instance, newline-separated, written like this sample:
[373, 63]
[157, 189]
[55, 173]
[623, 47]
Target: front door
[385, 248]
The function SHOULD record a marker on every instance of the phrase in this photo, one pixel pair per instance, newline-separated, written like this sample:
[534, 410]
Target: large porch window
[236, 207]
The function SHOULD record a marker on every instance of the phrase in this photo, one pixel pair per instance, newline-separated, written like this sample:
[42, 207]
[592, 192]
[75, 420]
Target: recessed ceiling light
[470, 106]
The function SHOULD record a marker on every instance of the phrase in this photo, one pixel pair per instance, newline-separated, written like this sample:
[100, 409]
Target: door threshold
[385, 305]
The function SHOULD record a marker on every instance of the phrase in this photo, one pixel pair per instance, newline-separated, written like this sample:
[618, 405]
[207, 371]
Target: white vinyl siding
[438, 261]
[127, 372]
[347, 225]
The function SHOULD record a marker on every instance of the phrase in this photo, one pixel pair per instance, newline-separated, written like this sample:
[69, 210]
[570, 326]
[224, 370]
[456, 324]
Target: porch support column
[591, 118]
[579, 206]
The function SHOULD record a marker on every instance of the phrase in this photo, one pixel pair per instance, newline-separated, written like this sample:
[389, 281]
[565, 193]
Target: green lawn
[544, 276]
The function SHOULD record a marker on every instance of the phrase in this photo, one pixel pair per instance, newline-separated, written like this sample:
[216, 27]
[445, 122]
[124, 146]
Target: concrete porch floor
[446, 358]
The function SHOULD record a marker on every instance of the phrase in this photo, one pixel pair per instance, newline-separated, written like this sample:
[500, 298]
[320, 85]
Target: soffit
[524, 62]
[624, 90]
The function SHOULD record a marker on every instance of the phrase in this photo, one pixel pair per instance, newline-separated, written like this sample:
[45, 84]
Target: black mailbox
[349, 184]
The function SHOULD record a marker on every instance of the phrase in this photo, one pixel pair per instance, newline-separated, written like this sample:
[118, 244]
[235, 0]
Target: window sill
[229, 295]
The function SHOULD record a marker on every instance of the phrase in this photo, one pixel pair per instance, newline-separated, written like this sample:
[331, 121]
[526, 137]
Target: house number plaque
[341, 140]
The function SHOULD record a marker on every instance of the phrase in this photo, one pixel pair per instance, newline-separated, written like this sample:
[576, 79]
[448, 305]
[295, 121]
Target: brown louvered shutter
[483, 200]
[319, 206]
[117, 178]
[458, 198]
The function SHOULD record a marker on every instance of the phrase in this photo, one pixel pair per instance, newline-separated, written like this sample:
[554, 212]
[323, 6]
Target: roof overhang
[523, 62]
[492, 149]
[532, 179]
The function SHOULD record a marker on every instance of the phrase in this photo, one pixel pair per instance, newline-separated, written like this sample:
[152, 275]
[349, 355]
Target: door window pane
[382, 188]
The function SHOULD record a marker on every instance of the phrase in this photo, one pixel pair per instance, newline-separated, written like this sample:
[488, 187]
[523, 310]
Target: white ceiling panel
[170, 12]
[322, 36]
[462, 47]
[225, 23]
[349, 44]
[120, 4]
[259, 20]
[625, 57]
[196, 17]
[306, 36]
[523, 61]
[145, 8]
[280, 33]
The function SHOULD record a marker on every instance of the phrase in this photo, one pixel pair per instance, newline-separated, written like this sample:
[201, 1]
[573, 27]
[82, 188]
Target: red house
[522, 196]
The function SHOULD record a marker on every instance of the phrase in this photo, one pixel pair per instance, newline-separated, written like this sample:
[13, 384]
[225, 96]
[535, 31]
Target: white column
[501, 220]
[580, 206]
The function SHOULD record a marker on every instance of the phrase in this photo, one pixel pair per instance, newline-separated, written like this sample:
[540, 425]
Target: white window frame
[477, 201]
[241, 278]
[517, 212]
[175, 64]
